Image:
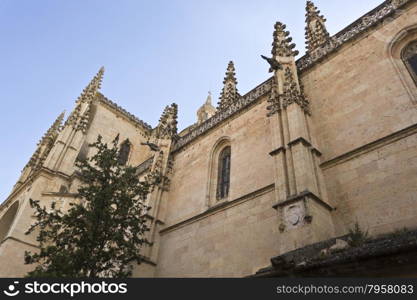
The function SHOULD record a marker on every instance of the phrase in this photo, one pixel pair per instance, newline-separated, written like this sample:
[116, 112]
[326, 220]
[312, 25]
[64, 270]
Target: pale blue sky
[155, 52]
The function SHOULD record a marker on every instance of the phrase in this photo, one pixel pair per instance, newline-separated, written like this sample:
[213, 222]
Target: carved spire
[90, 92]
[46, 143]
[80, 116]
[282, 46]
[285, 86]
[167, 127]
[229, 92]
[206, 111]
[316, 32]
[54, 130]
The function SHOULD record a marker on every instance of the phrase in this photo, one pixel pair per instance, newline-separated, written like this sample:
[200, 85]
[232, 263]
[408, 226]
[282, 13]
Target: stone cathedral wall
[364, 120]
[234, 240]
[364, 123]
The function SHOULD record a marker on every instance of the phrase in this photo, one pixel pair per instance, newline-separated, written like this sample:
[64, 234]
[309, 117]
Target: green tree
[102, 234]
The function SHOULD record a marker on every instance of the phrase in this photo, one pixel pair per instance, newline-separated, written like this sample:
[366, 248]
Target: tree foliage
[102, 232]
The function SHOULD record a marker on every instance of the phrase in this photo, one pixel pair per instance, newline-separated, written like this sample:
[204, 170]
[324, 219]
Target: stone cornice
[351, 32]
[124, 112]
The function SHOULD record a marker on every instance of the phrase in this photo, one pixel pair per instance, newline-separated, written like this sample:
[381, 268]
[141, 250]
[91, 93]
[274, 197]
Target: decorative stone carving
[285, 89]
[81, 115]
[167, 127]
[351, 32]
[292, 93]
[293, 215]
[155, 176]
[274, 99]
[273, 63]
[282, 46]
[45, 144]
[168, 173]
[74, 116]
[84, 120]
[398, 3]
[229, 93]
[316, 32]
[89, 93]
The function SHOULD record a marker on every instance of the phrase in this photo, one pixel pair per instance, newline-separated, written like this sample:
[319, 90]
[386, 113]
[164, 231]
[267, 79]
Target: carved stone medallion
[293, 215]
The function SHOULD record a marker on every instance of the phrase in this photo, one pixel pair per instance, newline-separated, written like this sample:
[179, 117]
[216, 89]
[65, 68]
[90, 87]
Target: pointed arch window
[124, 152]
[223, 181]
[409, 57]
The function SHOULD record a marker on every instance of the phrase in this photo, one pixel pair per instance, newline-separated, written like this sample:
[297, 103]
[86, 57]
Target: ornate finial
[90, 92]
[316, 32]
[167, 127]
[229, 92]
[282, 45]
[79, 119]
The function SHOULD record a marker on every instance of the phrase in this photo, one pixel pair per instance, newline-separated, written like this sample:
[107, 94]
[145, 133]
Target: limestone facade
[328, 141]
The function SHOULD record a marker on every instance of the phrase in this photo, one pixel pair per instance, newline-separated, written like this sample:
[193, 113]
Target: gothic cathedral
[271, 182]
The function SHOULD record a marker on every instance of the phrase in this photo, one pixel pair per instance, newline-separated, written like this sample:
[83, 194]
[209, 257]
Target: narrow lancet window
[223, 182]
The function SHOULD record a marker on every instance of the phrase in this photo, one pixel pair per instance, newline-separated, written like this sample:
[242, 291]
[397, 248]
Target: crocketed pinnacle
[316, 32]
[167, 127]
[54, 130]
[91, 90]
[282, 46]
[79, 118]
[46, 143]
[229, 92]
